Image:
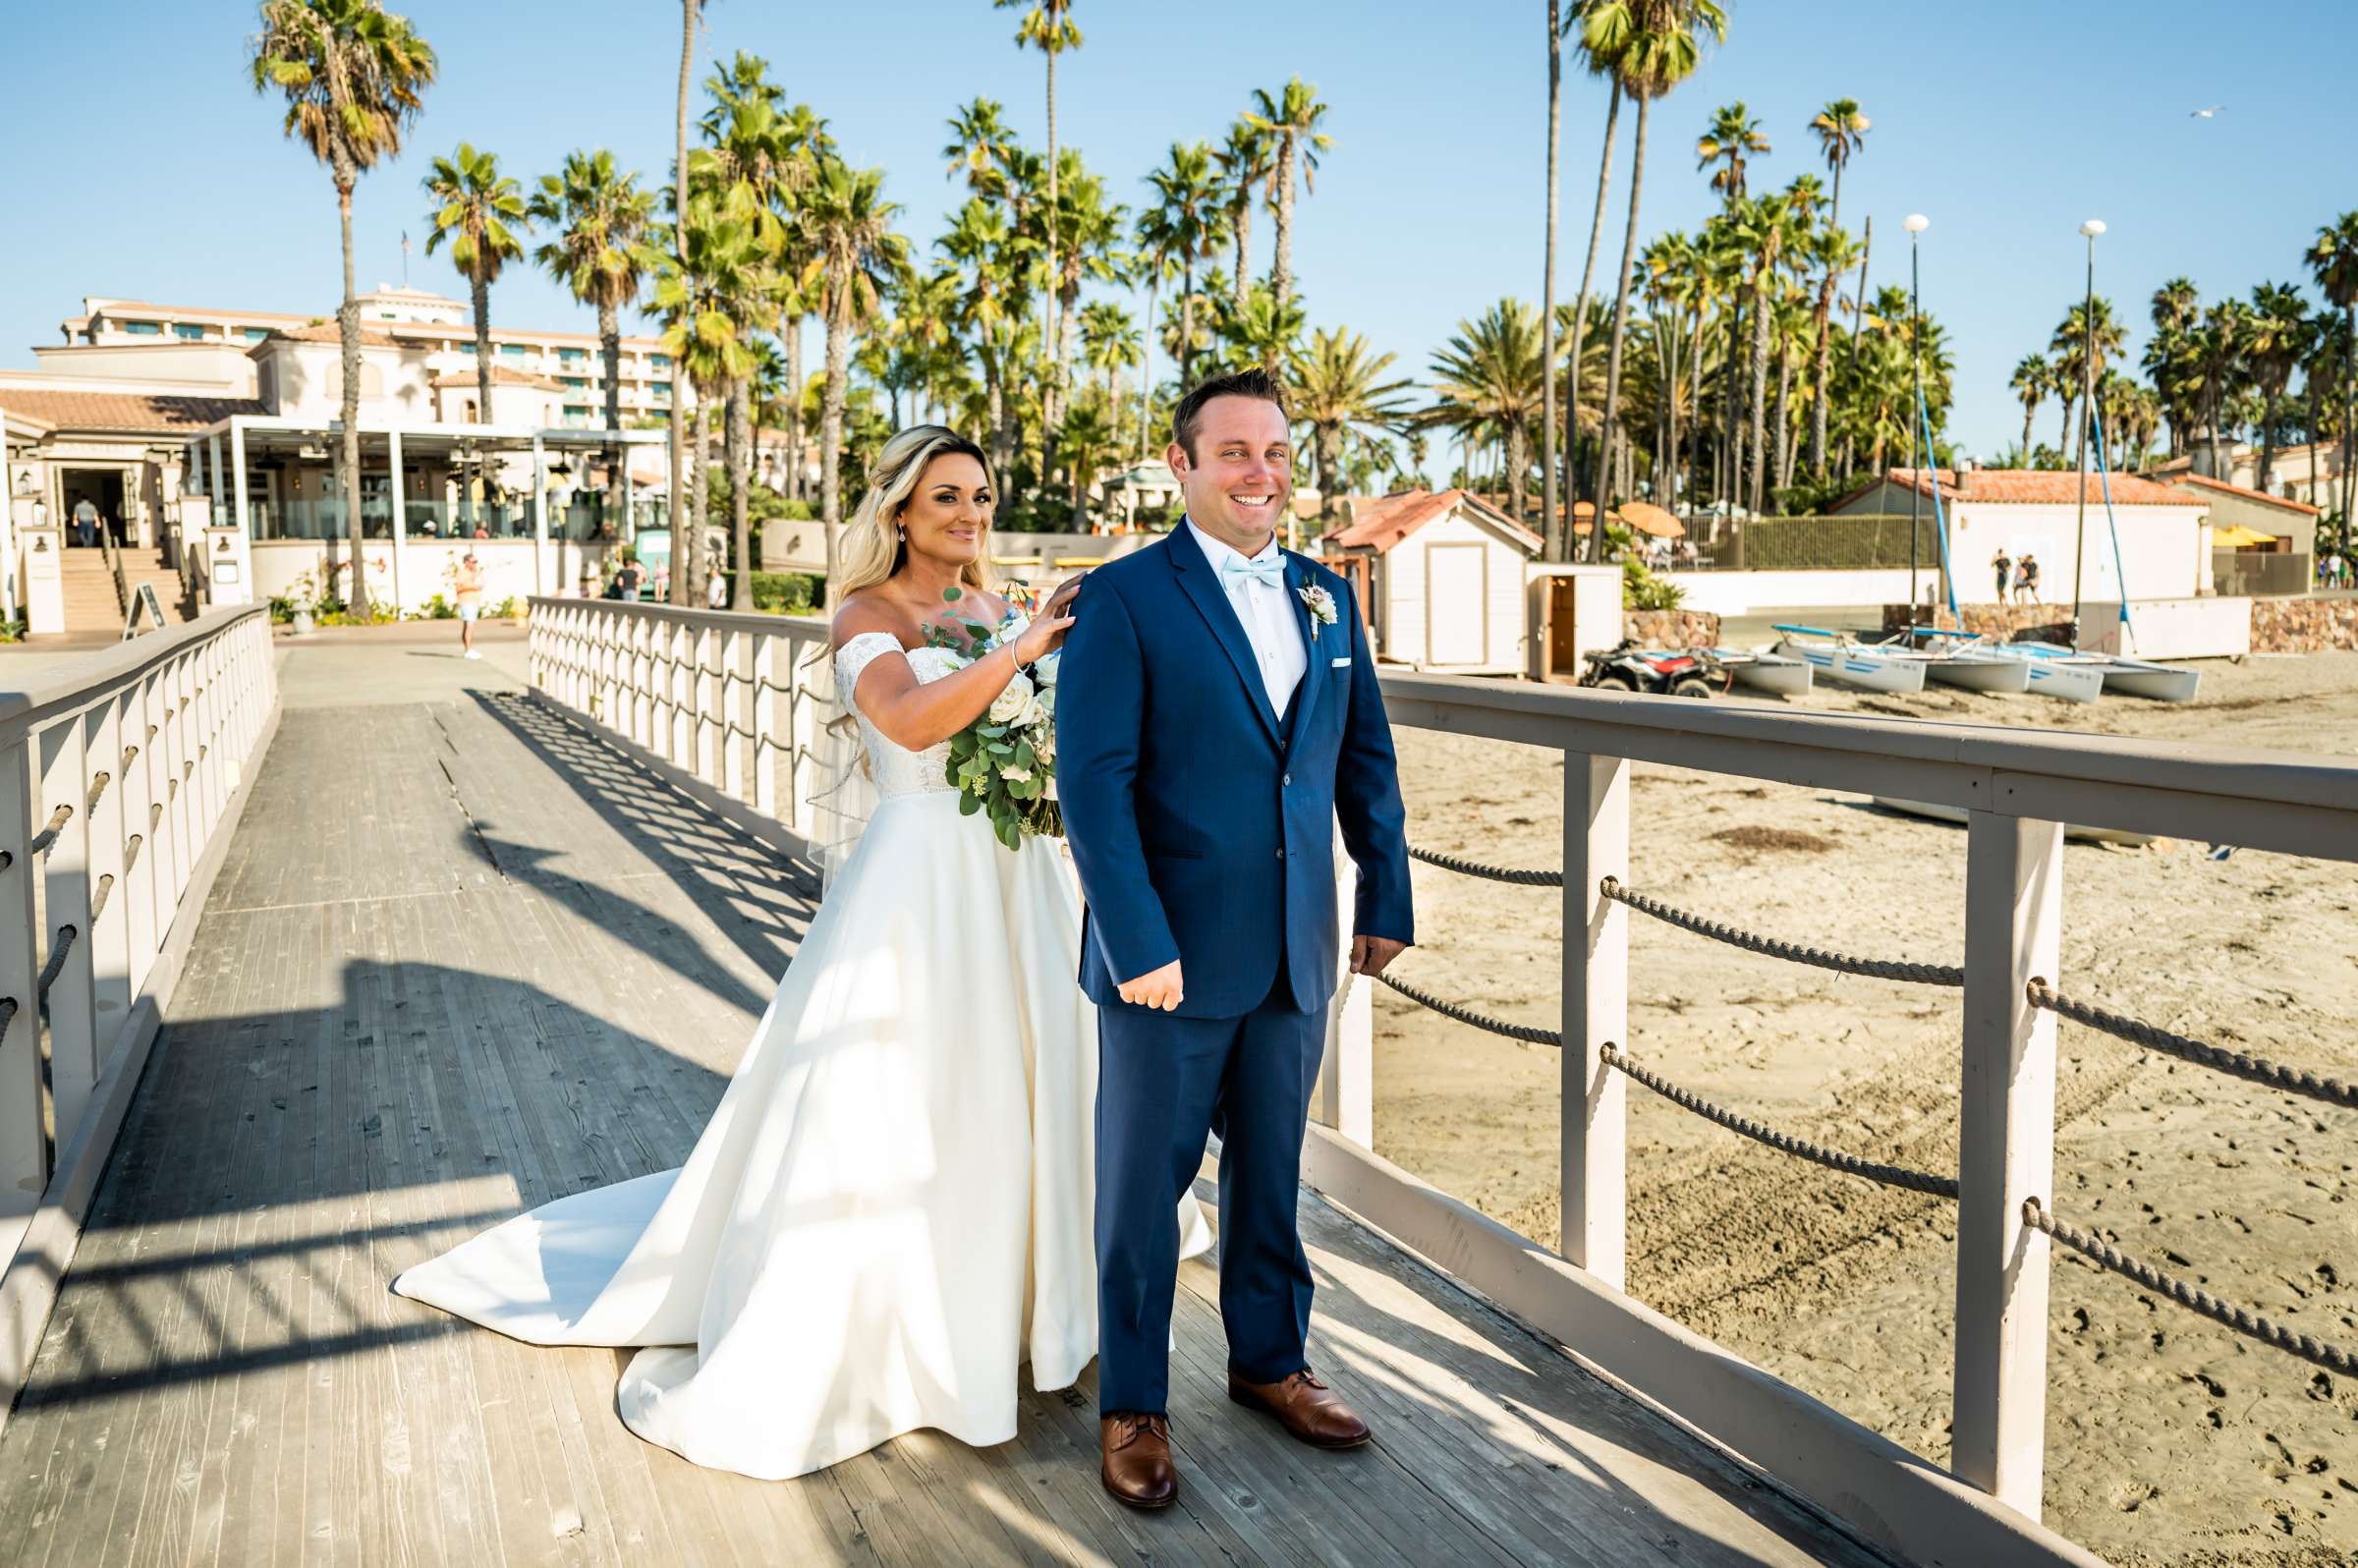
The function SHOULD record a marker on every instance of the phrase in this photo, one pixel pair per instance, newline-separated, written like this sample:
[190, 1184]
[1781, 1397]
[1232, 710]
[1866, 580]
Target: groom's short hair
[1253, 384]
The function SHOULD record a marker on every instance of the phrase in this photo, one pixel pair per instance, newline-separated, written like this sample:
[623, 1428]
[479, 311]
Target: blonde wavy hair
[872, 550]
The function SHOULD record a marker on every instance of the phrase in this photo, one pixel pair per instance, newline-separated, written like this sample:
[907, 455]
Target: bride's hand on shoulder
[1045, 634]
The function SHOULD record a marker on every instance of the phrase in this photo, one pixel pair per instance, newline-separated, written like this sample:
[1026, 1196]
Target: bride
[892, 1208]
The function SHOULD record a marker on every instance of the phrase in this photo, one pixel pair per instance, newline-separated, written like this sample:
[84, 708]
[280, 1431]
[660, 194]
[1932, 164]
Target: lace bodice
[895, 769]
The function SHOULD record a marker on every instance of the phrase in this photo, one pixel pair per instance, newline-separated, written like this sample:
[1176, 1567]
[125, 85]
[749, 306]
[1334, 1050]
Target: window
[467, 349]
[661, 361]
[513, 353]
[572, 357]
[256, 334]
[186, 334]
[574, 381]
[575, 413]
[662, 389]
[143, 329]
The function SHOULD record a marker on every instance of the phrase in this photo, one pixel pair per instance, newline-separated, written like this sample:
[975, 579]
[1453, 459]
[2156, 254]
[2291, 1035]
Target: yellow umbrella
[2237, 536]
[1647, 518]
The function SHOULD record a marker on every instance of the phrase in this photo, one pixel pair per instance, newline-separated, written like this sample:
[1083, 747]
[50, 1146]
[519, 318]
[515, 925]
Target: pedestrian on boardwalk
[470, 603]
[2004, 569]
[86, 522]
[2026, 580]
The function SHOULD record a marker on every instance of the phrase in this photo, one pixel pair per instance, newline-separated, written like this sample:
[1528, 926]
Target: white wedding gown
[892, 1205]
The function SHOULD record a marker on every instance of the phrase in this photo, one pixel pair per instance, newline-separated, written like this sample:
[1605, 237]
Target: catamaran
[1835, 657]
[2163, 683]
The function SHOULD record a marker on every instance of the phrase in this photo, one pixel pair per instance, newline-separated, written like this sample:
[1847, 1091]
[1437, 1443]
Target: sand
[2170, 1439]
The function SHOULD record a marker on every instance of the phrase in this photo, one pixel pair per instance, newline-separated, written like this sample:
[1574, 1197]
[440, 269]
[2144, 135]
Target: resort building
[2260, 543]
[144, 406]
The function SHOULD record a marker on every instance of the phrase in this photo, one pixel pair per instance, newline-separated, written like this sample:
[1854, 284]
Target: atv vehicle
[1688, 672]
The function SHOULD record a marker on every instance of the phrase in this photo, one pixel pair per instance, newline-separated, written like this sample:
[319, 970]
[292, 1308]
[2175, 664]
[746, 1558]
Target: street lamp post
[1915, 223]
[2079, 549]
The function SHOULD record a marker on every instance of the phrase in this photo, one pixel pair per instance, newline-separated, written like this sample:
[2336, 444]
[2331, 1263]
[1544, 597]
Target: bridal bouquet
[1005, 761]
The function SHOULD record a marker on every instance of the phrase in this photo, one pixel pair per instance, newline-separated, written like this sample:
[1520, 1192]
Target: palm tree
[1087, 442]
[1550, 524]
[1264, 333]
[1179, 226]
[353, 75]
[683, 559]
[1290, 122]
[1767, 226]
[1674, 285]
[1093, 235]
[1487, 379]
[474, 206]
[710, 343]
[854, 254]
[2219, 371]
[1653, 46]
[1841, 132]
[2334, 262]
[1338, 387]
[1048, 28]
[1733, 138]
[601, 220]
[2070, 344]
[2280, 329]
[1599, 47]
[1244, 166]
[1834, 250]
[1110, 342]
[2033, 378]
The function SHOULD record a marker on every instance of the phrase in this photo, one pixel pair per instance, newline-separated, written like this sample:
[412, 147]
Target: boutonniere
[1319, 603]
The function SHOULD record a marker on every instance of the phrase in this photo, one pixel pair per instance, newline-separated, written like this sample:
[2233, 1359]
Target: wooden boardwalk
[463, 959]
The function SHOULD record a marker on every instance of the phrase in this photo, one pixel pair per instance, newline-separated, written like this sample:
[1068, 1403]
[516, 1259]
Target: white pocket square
[1339, 664]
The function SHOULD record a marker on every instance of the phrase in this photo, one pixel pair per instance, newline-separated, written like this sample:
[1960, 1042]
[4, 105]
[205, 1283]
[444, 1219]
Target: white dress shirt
[1268, 612]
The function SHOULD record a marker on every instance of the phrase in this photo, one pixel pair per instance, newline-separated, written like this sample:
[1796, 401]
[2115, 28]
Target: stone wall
[2304, 626]
[1671, 628]
[1995, 623]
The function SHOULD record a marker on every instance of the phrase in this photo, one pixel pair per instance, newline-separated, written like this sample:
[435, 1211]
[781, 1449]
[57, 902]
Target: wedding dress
[892, 1205]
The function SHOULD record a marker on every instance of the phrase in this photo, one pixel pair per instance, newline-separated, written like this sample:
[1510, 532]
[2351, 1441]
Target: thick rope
[1493, 873]
[2258, 1069]
[97, 788]
[130, 852]
[57, 959]
[106, 886]
[7, 1013]
[1817, 1153]
[48, 835]
[1522, 1032]
[2333, 1358]
[1814, 956]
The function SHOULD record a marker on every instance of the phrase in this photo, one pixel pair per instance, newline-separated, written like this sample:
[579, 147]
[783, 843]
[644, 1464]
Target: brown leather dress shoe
[1305, 1408]
[1135, 1459]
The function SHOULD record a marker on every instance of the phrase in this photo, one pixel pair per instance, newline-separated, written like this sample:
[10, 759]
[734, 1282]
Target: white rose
[1044, 668]
[1016, 775]
[1045, 699]
[1010, 704]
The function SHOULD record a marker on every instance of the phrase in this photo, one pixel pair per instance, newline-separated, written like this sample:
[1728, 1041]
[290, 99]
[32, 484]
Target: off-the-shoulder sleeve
[855, 656]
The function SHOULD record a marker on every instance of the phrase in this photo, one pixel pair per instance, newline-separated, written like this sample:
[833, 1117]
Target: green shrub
[786, 593]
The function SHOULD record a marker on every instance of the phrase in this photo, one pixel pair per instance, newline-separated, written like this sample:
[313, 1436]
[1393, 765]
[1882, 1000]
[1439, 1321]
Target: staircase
[89, 589]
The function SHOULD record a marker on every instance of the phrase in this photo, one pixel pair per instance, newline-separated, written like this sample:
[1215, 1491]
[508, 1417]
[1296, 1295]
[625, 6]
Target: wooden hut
[1447, 570]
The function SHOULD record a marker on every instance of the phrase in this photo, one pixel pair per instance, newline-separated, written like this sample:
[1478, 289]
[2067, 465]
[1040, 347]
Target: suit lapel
[1202, 583]
[1306, 696]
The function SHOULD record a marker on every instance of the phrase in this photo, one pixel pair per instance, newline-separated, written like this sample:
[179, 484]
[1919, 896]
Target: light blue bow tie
[1269, 569]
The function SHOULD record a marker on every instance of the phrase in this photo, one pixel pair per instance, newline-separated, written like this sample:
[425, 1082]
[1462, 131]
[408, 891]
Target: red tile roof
[324, 332]
[124, 411]
[2244, 494]
[501, 375]
[2033, 488]
[1386, 521]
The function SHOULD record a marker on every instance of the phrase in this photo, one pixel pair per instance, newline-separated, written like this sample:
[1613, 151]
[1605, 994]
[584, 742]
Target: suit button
[1289, 778]
[1281, 855]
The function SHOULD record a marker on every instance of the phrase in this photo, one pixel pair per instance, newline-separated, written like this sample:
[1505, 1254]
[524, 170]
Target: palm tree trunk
[1552, 523]
[1821, 367]
[1784, 418]
[2268, 439]
[679, 380]
[609, 345]
[1240, 220]
[830, 417]
[741, 483]
[1051, 400]
[1066, 298]
[1146, 369]
[1758, 396]
[2063, 435]
[480, 292]
[2350, 412]
[1187, 329]
[793, 336]
[1580, 321]
[703, 500]
[347, 333]
[1858, 314]
[1612, 362]
[1282, 271]
[1669, 464]
[1518, 468]
[1695, 424]
[1731, 411]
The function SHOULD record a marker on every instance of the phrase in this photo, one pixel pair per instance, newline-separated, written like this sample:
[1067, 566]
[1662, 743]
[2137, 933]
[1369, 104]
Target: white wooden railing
[728, 707]
[119, 776]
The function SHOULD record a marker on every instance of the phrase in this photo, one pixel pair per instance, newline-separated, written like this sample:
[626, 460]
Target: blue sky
[140, 165]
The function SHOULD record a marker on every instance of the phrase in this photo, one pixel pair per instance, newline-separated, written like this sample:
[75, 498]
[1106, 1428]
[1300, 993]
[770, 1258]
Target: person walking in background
[86, 522]
[2026, 580]
[469, 585]
[2004, 569]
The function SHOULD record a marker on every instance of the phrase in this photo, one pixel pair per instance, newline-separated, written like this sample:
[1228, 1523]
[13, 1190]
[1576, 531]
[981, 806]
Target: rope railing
[7, 1013]
[106, 886]
[2238, 1064]
[1466, 1015]
[97, 788]
[48, 835]
[1816, 1154]
[2333, 1358]
[57, 959]
[130, 852]
[1491, 873]
[1771, 947]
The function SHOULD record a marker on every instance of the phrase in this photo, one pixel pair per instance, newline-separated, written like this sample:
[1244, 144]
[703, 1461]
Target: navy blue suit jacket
[1201, 821]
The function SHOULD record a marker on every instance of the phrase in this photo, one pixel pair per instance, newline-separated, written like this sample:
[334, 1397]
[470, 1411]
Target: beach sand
[2168, 1439]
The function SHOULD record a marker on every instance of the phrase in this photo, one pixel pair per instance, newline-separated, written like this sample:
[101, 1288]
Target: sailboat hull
[1852, 666]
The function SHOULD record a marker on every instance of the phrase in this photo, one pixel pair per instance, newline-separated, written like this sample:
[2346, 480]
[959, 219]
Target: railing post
[643, 680]
[2006, 1131]
[1347, 1072]
[110, 927]
[66, 897]
[141, 928]
[764, 692]
[711, 711]
[1594, 1128]
[808, 701]
[174, 691]
[737, 703]
[23, 1157]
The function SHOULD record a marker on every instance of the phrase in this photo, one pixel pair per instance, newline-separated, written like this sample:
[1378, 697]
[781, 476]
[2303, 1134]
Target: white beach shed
[1446, 580]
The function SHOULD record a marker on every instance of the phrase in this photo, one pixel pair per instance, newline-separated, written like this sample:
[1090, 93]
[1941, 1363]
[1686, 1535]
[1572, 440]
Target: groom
[1219, 714]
